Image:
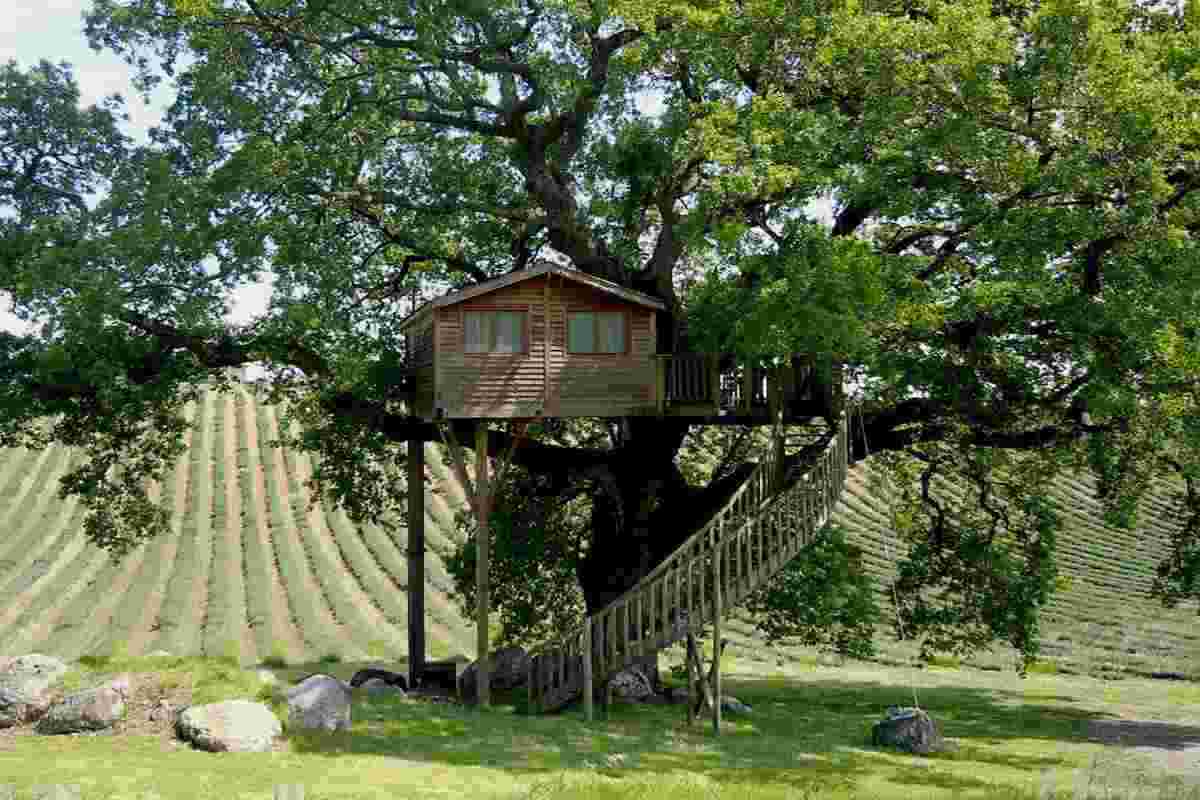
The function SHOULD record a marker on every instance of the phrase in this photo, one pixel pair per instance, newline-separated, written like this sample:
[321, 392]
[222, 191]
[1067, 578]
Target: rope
[887, 543]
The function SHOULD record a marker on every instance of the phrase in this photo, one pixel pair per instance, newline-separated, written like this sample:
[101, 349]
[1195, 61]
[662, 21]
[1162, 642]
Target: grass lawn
[808, 737]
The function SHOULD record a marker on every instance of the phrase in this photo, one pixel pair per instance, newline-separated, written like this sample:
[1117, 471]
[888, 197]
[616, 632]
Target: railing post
[714, 381]
[530, 672]
[661, 365]
[588, 711]
[747, 398]
[716, 668]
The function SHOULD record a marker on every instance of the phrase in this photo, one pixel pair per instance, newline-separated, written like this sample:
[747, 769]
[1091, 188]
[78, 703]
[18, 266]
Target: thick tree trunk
[628, 537]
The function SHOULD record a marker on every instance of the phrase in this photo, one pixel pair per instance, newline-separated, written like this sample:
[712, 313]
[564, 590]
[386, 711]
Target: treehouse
[558, 342]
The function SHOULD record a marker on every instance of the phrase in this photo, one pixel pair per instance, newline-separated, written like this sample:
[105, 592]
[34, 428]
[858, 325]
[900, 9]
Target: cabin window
[596, 332]
[494, 331]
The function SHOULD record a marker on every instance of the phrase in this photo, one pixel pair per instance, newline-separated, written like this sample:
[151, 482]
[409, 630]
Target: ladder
[766, 522]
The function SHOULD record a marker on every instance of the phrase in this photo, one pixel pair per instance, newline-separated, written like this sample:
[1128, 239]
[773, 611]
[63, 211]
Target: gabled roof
[542, 268]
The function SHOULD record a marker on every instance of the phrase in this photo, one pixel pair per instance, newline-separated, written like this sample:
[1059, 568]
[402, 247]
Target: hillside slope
[249, 570]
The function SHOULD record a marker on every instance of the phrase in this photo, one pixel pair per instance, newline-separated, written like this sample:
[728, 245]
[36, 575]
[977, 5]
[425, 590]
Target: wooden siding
[515, 385]
[420, 346]
[423, 397]
[602, 384]
[492, 384]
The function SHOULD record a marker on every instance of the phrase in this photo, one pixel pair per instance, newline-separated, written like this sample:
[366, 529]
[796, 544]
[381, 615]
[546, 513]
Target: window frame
[523, 311]
[626, 316]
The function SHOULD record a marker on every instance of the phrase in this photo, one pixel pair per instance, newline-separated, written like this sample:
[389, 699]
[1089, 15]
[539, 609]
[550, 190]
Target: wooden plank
[587, 668]
[416, 560]
[482, 599]
[717, 643]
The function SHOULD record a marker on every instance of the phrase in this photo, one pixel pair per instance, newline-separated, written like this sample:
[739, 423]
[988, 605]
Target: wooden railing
[690, 377]
[755, 533]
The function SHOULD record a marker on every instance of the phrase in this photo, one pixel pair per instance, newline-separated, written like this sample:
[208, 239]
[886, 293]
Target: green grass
[808, 737]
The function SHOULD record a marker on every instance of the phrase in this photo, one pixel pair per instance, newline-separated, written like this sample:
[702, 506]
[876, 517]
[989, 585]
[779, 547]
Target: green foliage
[822, 598]
[1011, 264]
[535, 547]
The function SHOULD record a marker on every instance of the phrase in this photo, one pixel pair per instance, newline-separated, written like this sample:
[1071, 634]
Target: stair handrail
[763, 475]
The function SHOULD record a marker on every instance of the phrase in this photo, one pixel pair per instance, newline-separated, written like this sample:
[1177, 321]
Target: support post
[529, 688]
[661, 364]
[588, 711]
[747, 387]
[714, 381]
[716, 667]
[482, 598]
[693, 685]
[416, 561]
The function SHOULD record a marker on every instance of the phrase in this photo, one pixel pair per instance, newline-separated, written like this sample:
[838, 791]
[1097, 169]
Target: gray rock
[89, 710]
[379, 688]
[24, 686]
[319, 702]
[734, 706]
[631, 684]
[162, 711]
[121, 684]
[234, 726]
[908, 729]
[508, 669]
[387, 677]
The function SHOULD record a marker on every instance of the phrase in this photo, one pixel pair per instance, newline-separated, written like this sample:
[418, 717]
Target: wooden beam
[661, 364]
[588, 711]
[482, 599]
[416, 561]
[747, 387]
[716, 667]
[714, 378]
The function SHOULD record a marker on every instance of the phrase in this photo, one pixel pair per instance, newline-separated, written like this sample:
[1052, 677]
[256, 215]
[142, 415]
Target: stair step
[733, 589]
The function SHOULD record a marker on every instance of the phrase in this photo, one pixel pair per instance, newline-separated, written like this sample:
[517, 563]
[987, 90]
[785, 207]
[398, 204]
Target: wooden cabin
[558, 342]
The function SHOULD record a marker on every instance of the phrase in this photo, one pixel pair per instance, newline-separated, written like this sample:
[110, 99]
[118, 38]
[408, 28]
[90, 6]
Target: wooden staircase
[764, 524]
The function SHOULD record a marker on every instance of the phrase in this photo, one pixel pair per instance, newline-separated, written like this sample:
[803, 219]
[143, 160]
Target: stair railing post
[716, 668]
[660, 383]
[588, 711]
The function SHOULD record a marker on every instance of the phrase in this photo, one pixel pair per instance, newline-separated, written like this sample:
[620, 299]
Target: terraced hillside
[1105, 620]
[248, 569]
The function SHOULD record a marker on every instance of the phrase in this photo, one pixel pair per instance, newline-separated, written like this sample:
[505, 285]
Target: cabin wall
[420, 345]
[420, 358]
[493, 384]
[540, 381]
[602, 384]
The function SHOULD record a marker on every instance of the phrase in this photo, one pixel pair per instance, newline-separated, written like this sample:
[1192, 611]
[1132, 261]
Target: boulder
[908, 729]
[365, 676]
[319, 702]
[631, 684]
[161, 712]
[121, 684]
[234, 726]
[734, 706]
[89, 710]
[24, 686]
[508, 669]
[377, 687]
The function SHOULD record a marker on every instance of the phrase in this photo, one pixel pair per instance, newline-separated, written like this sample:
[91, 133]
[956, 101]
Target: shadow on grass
[801, 734]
